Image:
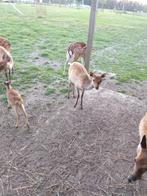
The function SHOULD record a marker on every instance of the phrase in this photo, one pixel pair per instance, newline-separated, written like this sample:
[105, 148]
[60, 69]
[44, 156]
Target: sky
[141, 1]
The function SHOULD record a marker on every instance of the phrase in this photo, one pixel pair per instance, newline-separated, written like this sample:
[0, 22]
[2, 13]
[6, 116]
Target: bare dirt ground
[73, 152]
[134, 88]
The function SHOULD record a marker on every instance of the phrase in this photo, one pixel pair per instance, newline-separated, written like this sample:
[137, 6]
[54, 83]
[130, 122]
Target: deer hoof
[9, 107]
[16, 126]
[28, 126]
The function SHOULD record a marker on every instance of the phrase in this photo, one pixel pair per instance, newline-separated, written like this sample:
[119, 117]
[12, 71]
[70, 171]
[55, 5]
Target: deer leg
[73, 91]
[77, 97]
[6, 74]
[9, 75]
[17, 116]
[69, 87]
[12, 70]
[9, 105]
[82, 99]
[67, 60]
[26, 116]
[64, 69]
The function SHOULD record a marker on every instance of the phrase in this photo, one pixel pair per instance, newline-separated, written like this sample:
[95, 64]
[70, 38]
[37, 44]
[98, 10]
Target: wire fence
[117, 7]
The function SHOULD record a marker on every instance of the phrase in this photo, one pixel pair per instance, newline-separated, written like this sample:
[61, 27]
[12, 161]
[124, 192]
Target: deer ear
[91, 73]
[103, 75]
[143, 142]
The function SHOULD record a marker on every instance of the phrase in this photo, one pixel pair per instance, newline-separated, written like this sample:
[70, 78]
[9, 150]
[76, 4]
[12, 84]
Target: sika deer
[75, 51]
[80, 79]
[5, 43]
[6, 62]
[16, 102]
[141, 159]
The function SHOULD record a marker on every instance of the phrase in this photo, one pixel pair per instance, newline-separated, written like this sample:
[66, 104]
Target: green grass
[4, 99]
[50, 91]
[63, 90]
[2, 89]
[120, 41]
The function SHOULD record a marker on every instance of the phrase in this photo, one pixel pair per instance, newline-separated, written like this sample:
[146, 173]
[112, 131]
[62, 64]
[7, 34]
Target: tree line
[124, 5]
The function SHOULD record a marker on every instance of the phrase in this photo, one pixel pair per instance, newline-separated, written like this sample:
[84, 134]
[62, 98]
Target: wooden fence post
[92, 20]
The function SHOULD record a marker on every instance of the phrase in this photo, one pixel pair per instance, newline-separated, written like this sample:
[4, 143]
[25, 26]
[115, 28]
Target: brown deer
[80, 79]
[141, 159]
[6, 62]
[75, 51]
[5, 43]
[16, 102]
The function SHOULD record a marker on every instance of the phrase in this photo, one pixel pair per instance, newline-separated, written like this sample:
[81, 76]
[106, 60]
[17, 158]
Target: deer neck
[89, 85]
[9, 87]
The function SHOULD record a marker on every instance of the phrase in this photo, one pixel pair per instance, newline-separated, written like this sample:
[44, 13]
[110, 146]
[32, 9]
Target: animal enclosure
[69, 152]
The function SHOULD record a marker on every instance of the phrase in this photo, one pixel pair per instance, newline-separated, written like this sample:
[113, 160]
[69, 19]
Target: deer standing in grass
[75, 51]
[6, 62]
[141, 159]
[5, 43]
[16, 102]
[81, 80]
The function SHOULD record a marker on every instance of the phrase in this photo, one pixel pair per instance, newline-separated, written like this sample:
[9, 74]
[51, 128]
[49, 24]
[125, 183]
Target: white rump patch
[70, 53]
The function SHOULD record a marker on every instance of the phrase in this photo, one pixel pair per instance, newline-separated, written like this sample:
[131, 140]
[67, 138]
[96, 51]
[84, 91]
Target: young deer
[16, 102]
[141, 159]
[5, 43]
[80, 79]
[6, 62]
[75, 51]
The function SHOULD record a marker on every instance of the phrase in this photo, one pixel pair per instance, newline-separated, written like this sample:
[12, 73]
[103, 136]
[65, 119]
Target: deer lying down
[75, 51]
[6, 62]
[80, 79]
[141, 159]
[16, 102]
[5, 43]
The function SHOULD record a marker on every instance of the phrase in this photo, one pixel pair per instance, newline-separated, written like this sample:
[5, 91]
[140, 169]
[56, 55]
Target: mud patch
[38, 60]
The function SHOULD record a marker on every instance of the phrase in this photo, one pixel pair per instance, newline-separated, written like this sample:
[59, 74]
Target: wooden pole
[92, 21]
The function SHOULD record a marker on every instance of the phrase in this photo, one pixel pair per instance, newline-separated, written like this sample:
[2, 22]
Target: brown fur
[74, 52]
[80, 79]
[5, 43]
[141, 159]
[143, 126]
[16, 102]
[6, 61]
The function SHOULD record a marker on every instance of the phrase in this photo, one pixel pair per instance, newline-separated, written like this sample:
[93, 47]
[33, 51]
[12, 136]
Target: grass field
[120, 42]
